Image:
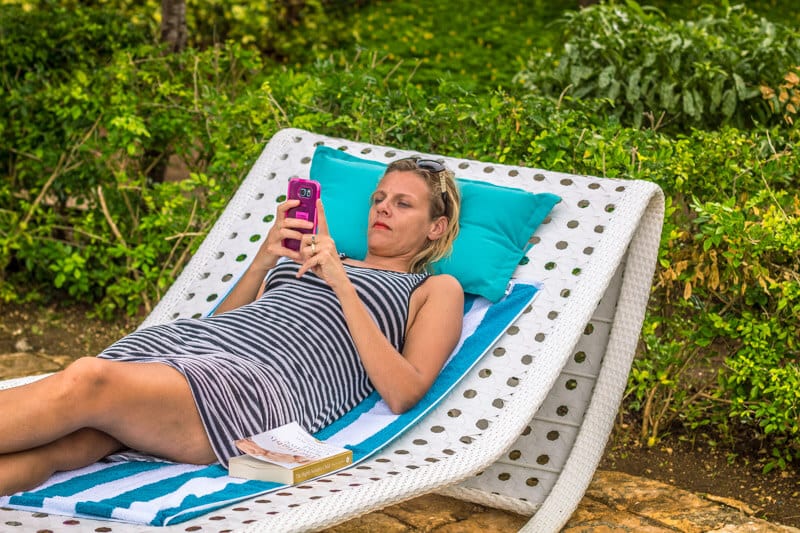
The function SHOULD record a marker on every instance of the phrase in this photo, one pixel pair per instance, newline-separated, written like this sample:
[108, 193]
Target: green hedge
[88, 132]
[657, 72]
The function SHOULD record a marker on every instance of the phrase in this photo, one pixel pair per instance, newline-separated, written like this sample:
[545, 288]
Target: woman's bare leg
[30, 468]
[145, 406]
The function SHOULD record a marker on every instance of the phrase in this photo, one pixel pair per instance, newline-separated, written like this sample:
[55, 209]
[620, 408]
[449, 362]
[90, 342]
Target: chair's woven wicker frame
[527, 428]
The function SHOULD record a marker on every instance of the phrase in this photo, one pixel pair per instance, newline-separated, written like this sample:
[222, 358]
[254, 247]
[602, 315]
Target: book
[287, 454]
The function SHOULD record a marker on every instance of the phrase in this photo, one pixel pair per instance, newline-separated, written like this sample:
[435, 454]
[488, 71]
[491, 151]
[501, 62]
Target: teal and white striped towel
[161, 493]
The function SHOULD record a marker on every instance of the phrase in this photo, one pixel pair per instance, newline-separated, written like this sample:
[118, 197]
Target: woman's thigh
[149, 407]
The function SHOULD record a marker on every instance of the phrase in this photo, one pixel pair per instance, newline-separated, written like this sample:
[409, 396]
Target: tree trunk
[173, 24]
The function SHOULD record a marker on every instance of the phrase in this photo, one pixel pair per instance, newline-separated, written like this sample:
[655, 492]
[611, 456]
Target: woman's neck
[397, 264]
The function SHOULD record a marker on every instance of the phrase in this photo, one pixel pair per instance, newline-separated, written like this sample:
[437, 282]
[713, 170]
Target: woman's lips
[380, 225]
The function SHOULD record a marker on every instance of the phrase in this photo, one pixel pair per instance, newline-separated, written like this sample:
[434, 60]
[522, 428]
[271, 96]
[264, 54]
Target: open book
[287, 454]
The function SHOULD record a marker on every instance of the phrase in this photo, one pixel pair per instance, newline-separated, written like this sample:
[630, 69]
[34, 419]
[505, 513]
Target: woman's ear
[438, 228]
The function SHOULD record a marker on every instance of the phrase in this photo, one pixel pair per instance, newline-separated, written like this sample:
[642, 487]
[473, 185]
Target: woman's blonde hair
[443, 202]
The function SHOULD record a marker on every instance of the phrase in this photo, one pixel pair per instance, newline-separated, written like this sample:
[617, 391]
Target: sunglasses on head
[438, 169]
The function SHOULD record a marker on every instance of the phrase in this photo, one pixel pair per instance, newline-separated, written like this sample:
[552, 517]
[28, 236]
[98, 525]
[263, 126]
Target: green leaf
[716, 94]
[578, 73]
[699, 105]
[613, 90]
[688, 104]
[666, 92]
[633, 89]
[606, 76]
[728, 103]
[741, 86]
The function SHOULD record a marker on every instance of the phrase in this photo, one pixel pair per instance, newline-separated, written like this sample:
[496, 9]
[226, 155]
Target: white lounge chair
[525, 430]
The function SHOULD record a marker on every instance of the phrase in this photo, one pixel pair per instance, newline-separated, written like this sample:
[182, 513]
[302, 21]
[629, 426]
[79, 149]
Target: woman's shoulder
[443, 286]
[438, 295]
[445, 281]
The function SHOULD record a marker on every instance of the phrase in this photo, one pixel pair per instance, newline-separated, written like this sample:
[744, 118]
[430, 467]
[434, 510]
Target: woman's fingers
[286, 227]
[311, 257]
[296, 223]
[318, 255]
[314, 249]
[322, 222]
[289, 232]
[311, 245]
[283, 209]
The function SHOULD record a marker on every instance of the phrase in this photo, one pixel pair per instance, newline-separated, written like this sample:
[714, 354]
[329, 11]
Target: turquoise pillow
[347, 185]
[496, 222]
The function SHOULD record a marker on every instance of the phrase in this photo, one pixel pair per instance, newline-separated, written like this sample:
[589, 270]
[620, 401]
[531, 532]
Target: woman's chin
[378, 238]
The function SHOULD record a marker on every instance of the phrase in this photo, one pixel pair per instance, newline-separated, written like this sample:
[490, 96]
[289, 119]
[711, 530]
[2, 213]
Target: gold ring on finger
[313, 247]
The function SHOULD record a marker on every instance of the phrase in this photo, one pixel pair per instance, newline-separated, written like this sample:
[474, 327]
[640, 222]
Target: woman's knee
[86, 378]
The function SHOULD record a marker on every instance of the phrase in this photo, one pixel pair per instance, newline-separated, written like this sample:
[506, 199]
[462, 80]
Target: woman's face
[399, 219]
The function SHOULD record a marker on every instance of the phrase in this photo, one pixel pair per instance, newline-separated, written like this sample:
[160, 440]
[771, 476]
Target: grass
[479, 44]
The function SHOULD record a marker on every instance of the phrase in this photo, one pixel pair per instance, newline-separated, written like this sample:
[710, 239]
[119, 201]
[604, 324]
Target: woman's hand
[319, 255]
[285, 227]
[250, 286]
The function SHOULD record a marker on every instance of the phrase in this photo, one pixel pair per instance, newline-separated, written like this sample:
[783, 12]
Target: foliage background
[700, 99]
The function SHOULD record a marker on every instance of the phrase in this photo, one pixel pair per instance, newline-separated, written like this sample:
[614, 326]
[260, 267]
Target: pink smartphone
[307, 191]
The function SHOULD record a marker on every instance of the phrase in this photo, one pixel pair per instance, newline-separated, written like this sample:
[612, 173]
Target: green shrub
[782, 11]
[86, 214]
[656, 72]
[750, 256]
[284, 30]
[722, 347]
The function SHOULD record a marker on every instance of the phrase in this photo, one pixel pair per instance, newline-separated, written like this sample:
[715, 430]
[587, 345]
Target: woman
[307, 343]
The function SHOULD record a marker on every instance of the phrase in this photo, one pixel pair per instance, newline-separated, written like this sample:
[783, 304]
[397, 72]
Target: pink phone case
[307, 191]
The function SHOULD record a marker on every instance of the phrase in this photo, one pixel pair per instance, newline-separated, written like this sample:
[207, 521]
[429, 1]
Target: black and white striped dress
[287, 356]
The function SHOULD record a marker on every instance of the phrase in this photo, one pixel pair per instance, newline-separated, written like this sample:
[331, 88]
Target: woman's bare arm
[403, 379]
[251, 285]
